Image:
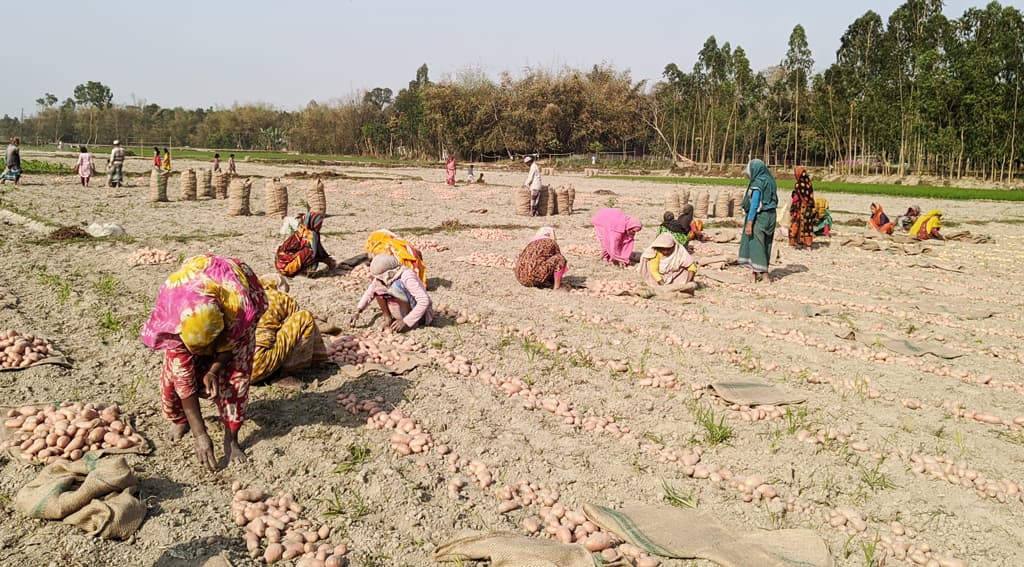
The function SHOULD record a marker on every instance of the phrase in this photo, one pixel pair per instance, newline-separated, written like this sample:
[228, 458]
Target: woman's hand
[749, 229]
[204, 452]
[398, 326]
[355, 319]
[210, 385]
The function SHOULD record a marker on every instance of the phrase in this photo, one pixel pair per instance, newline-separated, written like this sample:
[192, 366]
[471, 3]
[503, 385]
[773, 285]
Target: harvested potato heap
[490, 234]
[277, 523]
[151, 256]
[371, 348]
[488, 260]
[421, 244]
[22, 351]
[50, 433]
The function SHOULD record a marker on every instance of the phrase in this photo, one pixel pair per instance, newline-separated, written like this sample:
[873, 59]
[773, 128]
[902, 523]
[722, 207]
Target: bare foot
[290, 383]
[178, 431]
[232, 452]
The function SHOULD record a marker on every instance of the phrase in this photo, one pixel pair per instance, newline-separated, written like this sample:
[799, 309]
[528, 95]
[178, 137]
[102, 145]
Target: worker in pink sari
[449, 167]
[616, 231]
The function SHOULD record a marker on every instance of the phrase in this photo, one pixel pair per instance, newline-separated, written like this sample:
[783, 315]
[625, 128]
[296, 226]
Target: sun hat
[527, 159]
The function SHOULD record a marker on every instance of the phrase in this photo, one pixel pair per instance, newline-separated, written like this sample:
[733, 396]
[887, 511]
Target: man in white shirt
[533, 181]
[115, 165]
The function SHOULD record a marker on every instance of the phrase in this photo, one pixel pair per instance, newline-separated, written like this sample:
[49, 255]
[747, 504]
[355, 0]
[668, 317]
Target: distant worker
[533, 182]
[167, 161]
[115, 166]
[157, 162]
[449, 167]
[216, 162]
[231, 164]
[12, 161]
[86, 165]
[470, 176]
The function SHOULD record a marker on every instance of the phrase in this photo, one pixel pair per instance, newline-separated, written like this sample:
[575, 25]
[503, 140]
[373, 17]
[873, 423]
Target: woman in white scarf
[399, 293]
[667, 266]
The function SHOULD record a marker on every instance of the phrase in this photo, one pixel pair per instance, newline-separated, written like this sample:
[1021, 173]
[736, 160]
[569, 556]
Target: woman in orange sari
[802, 216]
[879, 220]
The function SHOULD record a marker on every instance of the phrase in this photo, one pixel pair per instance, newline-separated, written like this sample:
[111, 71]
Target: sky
[285, 53]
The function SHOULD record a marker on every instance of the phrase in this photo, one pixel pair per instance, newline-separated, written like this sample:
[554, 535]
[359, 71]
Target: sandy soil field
[594, 395]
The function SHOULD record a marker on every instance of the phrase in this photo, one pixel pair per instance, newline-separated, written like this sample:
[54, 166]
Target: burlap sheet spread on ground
[94, 495]
[689, 534]
[966, 236]
[749, 393]
[511, 550]
[401, 367]
[954, 310]
[902, 346]
[802, 310]
[874, 241]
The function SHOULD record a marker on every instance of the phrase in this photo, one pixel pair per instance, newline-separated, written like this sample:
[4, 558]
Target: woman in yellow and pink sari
[927, 226]
[205, 322]
[301, 253]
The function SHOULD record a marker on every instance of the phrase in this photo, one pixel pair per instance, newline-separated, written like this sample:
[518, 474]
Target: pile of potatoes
[956, 409]
[371, 348]
[582, 250]
[409, 436]
[277, 522]
[22, 351]
[488, 260]
[490, 234]
[660, 378]
[455, 314]
[421, 244]
[476, 470]
[355, 281]
[150, 257]
[49, 433]
[959, 473]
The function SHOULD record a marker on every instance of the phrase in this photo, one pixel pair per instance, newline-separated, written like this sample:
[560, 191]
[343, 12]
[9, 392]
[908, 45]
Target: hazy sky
[218, 52]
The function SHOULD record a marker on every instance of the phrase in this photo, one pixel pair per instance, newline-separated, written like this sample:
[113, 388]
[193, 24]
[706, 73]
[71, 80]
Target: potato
[273, 553]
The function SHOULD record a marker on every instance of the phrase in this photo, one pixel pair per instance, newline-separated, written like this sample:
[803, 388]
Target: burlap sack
[722, 203]
[754, 393]
[690, 534]
[116, 516]
[220, 185]
[513, 550]
[157, 186]
[700, 207]
[672, 201]
[551, 207]
[563, 200]
[684, 197]
[64, 487]
[572, 200]
[316, 199]
[523, 201]
[736, 202]
[205, 182]
[188, 184]
[275, 198]
[238, 197]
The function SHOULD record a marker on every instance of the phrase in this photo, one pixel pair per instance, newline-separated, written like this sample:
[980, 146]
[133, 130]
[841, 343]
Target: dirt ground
[855, 443]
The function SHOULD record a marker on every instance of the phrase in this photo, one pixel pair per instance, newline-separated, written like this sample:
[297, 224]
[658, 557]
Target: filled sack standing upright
[522, 199]
[275, 198]
[220, 185]
[700, 207]
[238, 197]
[157, 186]
[205, 184]
[188, 184]
[572, 199]
[563, 200]
[316, 199]
[735, 204]
[552, 204]
[672, 201]
[722, 203]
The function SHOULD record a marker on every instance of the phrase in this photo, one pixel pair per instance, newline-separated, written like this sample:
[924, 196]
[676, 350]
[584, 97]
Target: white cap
[527, 159]
[117, 142]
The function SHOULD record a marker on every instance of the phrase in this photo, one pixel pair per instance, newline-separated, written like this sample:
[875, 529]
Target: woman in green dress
[759, 203]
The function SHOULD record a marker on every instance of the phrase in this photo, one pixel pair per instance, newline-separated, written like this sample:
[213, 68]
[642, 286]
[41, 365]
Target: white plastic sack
[290, 225]
[109, 229]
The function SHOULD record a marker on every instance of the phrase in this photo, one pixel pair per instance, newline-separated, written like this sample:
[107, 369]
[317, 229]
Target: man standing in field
[115, 165]
[533, 181]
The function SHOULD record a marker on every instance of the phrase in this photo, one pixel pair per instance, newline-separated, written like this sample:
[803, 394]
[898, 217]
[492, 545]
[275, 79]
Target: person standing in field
[534, 183]
[157, 162]
[470, 176]
[115, 166]
[759, 202]
[449, 167]
[166, 166]
[13, 162]
[216, 162]
[802, 213]
[86, 165]
[231, 164]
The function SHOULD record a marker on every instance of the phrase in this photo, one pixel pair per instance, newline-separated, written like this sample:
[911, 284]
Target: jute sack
[523, 201]
[220, 185]
[722, 204]
[689, 534]
[684, 198]
[736, 202]
[188, 184]
[563, 201]
[157, 186]
[275, 198]
[206, 184]
[572, 200]
[672, 201]
[316, 199]
[552, 204]
[238, 197]
[700, 207]
[513, 550]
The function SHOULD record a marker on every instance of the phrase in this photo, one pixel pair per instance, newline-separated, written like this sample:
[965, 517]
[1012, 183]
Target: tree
[96, 97]
[798, 63]
[378, 97]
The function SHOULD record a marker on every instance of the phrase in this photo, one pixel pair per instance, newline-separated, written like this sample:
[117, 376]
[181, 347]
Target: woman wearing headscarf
[879, 220]
[802, 214]
[287, 338]
[679, 228]
[86, 165]
[541, 263]
[400, 294]
[12, 162]
[759, 202]
[387, 242]
[615, 231]
[302, 252]
[823, 217]
[927, 226]
[907, 219]
[449, 168]
[668, 266]
[166, 163]
[204, 320]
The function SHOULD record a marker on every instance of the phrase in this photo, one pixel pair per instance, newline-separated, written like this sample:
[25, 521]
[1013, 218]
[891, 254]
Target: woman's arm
[415, 287]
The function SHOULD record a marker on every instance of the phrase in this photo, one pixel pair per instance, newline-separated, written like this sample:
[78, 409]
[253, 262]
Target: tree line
[916, 93]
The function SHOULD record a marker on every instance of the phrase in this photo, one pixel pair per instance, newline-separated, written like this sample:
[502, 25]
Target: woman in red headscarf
[802, 216]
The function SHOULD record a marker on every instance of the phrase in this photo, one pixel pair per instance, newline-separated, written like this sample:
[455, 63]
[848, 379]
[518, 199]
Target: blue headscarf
[761, 179]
